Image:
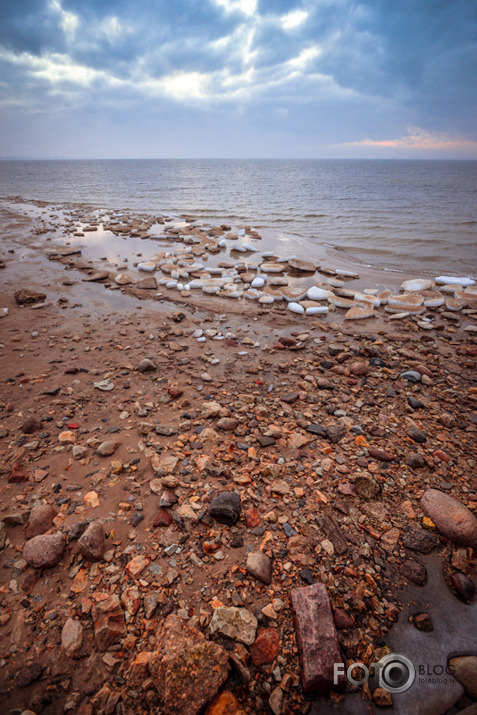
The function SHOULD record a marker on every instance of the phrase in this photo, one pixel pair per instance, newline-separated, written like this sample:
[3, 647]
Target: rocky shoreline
[206, 499]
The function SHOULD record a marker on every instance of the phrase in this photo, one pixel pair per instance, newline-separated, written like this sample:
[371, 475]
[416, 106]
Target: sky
[238, 79]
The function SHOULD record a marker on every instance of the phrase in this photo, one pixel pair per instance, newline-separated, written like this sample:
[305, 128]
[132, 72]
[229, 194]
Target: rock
[226, 508]
[419, 539]
[319, 430]
[417, 435]
[3, 535]
[463, 586]
[71, 637]
[164, 464]
[359, 369]
[44, 551]
[26, 296]
[225, 703]
[30, 426]
[146, 365]
[382, 698]
[423, 622]
[265, 648]
[381, 455]
[78, 451]
[275, 701]
[92, 543]
[316, 636]
[163, 518]
[411, 376]
[290, 398]
[335, 433]
[302, 266]
[104, 385]
[415, 403]
[108, 621]
[175, 392]
[17, 474]
[366, 486]
[464, 670]
[417, 284]
[415, 461]
[40, 520]
[235, 623]
[107, 448]
[259, 566]
[356, 312]
[414, 571]
[342, 619]
[452, 519]
[210, 409]
[228, 424]
[187, 670]
[29, 674]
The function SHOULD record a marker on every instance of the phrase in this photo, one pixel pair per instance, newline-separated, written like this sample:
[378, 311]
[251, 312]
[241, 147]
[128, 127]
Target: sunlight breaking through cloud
[418, 138]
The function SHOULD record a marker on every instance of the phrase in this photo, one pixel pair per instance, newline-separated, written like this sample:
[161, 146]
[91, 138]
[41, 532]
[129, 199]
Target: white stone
[296, 308]
[452, 280]
[315, 293]
[148, 266]
[317, 311]
[257, 282]
[417, 284]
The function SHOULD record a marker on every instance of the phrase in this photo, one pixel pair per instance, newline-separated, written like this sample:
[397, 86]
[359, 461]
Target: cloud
[417, 138]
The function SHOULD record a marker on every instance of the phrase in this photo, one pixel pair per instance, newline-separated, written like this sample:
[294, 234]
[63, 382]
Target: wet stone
[419, 539]
[414, 571]
[463, 586]
[451, 517]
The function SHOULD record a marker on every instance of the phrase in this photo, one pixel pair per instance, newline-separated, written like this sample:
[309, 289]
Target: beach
[145, 376]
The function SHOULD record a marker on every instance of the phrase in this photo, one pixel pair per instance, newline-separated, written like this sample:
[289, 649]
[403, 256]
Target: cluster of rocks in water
[193, 524]
[269, 280]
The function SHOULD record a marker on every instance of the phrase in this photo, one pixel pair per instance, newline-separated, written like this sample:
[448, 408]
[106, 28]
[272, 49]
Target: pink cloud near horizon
[422, 139]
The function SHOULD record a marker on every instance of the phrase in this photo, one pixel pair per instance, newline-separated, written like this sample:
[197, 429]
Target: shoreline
[336, 504]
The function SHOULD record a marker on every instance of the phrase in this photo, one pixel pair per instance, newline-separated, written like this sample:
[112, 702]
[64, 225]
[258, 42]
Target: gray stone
[107, 448]
[235, 623]
[72, 637]
[260, 567]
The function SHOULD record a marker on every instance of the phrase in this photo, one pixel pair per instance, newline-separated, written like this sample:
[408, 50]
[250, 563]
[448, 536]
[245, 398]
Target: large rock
[44, 551]
[40, 520]
[92, 543]
[187, 669]
[316, 637]
[235, 623]
[464, 670]
[108, 621]
[226, 508]
[451, 518]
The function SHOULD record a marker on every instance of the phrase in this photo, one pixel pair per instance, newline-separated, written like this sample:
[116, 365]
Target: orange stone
[265, 648]
[225, 703]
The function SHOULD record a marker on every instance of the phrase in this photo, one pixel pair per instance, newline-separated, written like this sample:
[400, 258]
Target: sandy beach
[196, 457]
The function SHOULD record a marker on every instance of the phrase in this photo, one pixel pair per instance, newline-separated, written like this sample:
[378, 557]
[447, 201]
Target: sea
[415, 217]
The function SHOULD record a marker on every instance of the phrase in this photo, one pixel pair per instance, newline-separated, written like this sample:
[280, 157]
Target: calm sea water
[414, 216]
